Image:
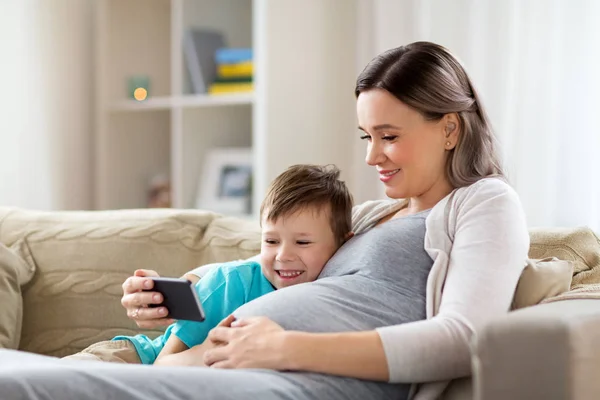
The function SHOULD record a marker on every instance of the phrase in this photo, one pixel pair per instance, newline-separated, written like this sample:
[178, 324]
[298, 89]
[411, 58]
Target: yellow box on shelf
[227, 88]
[242, 69]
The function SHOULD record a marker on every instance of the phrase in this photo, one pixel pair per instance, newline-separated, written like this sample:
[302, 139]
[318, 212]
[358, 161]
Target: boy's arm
[185, 357]
[168, 354]
[221, 292]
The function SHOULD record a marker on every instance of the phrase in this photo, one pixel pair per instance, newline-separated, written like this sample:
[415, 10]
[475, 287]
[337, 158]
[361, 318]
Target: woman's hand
[248, 343]
[136, 301]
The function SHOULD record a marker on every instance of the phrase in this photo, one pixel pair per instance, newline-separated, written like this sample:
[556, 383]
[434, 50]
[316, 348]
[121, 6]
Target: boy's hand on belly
[248, 343]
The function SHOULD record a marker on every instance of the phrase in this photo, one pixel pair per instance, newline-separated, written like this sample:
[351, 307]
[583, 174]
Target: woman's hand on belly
[255, 342]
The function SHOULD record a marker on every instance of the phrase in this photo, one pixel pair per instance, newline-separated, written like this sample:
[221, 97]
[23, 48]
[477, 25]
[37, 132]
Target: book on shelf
[230, 87]
[243, 69]
[199, 48]
[233, 55]
[234, 71]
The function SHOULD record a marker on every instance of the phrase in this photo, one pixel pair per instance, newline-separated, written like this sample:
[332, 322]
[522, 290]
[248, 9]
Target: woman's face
[408, 151]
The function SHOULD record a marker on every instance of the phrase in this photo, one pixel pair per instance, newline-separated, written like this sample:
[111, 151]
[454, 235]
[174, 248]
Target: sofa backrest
[82, 258]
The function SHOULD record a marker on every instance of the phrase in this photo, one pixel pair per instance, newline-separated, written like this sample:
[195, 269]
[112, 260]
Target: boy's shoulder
[240, 266]
[241, 269]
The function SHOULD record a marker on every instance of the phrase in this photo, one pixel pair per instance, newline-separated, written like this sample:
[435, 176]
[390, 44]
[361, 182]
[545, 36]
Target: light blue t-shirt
[221, 291]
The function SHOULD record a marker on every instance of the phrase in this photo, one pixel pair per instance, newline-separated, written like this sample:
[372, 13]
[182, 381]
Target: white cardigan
[478, 239]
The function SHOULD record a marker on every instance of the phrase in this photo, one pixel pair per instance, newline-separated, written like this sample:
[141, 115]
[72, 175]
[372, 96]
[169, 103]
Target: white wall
[45, 103]
[305, 74]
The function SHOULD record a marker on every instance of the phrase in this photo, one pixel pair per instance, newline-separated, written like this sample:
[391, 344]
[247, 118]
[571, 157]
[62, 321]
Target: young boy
[305, 218]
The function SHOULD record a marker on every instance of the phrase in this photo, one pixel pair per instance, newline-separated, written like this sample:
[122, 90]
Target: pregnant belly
[348, 303]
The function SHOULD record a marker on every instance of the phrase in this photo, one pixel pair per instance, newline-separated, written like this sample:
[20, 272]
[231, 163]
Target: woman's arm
[357, 354]
[261, 343]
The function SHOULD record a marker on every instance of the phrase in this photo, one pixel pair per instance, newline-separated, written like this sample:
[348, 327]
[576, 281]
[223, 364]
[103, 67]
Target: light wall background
[46, 81]
[533, 61]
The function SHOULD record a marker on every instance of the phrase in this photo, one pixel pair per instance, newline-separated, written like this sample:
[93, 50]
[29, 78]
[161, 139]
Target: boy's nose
[285, 255]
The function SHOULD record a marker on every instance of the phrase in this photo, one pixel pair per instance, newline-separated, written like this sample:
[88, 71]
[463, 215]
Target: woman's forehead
[378, 109]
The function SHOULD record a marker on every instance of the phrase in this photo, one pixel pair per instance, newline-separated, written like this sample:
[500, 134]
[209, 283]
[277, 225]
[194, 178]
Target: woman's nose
[374, 155]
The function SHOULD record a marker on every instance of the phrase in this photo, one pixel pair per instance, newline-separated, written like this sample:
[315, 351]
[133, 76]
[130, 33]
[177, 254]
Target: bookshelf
[302, 109]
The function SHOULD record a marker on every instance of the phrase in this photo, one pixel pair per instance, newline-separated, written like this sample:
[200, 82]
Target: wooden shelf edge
[189, 101]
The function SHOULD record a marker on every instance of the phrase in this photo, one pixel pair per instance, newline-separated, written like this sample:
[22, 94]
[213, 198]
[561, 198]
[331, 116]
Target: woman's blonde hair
[428, 78]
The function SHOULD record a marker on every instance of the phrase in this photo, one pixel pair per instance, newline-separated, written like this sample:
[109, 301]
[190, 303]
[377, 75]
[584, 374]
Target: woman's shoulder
[486, 196]
[493, 198]
[486, 204]
[485, 191]
[487, 186]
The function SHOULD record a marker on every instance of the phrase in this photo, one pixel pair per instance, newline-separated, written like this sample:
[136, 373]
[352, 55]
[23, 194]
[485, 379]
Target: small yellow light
[140, 94]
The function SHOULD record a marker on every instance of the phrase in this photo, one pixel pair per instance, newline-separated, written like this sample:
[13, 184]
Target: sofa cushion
[83, 257]
[542, 279]
[14, 272]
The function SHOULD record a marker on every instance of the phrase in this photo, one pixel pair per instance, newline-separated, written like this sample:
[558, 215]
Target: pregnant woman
[395, 308]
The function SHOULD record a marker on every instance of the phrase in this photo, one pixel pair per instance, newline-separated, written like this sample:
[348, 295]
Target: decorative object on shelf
[199, 47]
[235, 70]
[138, 87]
[159, 191]
[226, 182]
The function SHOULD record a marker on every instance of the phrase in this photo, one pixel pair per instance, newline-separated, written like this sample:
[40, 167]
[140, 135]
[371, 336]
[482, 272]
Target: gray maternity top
[376, 279]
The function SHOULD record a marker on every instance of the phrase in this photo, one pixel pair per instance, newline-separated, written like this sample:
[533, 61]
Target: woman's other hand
[136, 301]
[247, 343]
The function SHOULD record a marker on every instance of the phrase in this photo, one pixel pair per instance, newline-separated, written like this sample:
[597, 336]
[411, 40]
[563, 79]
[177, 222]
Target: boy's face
[295, 247]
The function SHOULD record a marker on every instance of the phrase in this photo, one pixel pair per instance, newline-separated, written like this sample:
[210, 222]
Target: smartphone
[179, 297]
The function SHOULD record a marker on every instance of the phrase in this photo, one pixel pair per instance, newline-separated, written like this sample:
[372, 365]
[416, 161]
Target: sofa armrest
[548, 351]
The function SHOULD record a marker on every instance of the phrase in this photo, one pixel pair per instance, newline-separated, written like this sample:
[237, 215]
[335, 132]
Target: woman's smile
[387, 175]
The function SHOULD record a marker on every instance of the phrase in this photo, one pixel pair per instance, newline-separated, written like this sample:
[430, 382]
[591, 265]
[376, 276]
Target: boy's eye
[303, 242]
[270, 241]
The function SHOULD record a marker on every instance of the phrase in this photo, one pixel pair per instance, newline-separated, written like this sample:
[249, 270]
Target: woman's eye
[365, 137]
[303, 242]
[389, 138]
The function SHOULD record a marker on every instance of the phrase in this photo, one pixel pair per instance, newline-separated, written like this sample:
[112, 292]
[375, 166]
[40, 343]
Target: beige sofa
[61, 276]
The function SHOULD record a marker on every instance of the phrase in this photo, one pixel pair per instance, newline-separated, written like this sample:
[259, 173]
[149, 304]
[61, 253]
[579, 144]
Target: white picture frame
[225, 184]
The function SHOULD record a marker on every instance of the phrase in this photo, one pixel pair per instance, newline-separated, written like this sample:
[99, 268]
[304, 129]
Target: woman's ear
[452, 129]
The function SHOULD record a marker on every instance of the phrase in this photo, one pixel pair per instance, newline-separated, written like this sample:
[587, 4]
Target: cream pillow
[579, 245]
[542, 279]
[14, 272]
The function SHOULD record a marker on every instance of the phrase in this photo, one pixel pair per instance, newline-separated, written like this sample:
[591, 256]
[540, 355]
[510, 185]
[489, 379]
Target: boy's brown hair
[304, 185]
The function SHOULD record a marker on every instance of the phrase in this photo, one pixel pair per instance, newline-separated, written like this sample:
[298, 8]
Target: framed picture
[226, 181]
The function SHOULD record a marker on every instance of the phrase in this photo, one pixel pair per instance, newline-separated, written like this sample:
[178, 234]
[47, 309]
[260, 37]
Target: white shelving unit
[302, 110]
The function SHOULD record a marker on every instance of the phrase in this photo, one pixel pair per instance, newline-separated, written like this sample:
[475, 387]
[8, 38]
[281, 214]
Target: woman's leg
[33, 377]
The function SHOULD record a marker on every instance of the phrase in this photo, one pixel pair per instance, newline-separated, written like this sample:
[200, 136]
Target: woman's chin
[395, 192]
